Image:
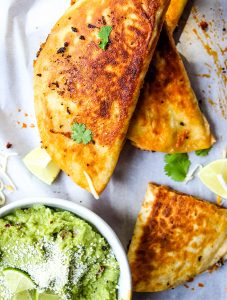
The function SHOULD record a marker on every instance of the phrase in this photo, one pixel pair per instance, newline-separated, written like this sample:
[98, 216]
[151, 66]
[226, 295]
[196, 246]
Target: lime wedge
[26, 295]
[35, 295]
[39, 163]
[17, 281]
[45, 296]
[40, 158]
[214, 176]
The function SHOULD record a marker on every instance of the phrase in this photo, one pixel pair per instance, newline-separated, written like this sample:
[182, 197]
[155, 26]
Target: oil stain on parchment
[215, 44]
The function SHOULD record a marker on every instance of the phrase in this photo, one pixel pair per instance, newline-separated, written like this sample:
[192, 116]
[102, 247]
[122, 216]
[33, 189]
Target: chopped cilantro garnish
[203, 152]
[80, 134]
[177, 166]
[104, 34]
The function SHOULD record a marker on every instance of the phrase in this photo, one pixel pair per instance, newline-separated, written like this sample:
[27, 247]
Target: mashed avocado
[62, 254]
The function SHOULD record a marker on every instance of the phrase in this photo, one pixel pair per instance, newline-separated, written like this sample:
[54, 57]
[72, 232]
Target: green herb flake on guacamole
[61, 253]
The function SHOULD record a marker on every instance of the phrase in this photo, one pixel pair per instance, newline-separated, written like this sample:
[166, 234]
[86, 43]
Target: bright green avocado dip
[62, 254]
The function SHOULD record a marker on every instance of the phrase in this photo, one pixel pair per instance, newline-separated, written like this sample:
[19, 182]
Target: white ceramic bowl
[125, 283]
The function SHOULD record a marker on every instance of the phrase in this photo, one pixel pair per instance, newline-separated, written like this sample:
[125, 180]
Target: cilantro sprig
[81, 134]
[177, 166]
[104, 34]
[203, 152]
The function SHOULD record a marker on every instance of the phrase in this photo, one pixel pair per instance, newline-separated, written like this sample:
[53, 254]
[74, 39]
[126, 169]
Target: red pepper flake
[203, 25]
[55, 83]
[200, 284]
[103, 20]
[82, 37]
[9, 145]
[61, 50]
[7, 225]
[186, 286]
[74, 29]
[24, 125]
[91, 26]
[216, 266]
[39, 75]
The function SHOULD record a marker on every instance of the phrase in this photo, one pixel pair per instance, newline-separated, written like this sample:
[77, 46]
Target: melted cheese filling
[191, 175]
[91, 186]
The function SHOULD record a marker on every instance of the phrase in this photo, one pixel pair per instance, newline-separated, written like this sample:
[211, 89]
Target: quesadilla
[167, 117]
[87, 80]
[176, 237]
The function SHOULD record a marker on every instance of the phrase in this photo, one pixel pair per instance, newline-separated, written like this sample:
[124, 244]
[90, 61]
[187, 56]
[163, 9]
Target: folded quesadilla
[87, 80]
[167, 117]
[176, 237]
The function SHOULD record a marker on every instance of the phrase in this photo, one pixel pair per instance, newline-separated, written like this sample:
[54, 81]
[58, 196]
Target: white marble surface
[24, 25]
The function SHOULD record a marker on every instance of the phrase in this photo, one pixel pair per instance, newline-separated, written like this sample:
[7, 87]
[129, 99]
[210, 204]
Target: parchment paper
[24, 24]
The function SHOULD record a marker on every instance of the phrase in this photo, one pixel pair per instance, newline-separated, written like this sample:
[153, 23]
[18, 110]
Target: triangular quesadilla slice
[167, 117]
[176, 237]
[88, 76]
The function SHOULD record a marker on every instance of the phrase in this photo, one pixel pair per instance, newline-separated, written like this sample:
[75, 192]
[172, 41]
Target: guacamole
[63, 254]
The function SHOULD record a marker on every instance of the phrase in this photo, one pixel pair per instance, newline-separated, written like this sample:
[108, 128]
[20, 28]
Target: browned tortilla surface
[174, 13]
[176, 237]
[77, 82]
[168, 118]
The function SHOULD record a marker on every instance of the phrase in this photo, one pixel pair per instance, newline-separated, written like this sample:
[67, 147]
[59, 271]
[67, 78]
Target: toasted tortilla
[75, 81]
[174, 13]
[176, 237]
[168, 118]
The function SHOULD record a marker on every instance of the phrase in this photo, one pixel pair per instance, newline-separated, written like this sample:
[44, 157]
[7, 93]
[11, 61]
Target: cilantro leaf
[177, 166]
[104, 34]
[203, 152]
[80, 134]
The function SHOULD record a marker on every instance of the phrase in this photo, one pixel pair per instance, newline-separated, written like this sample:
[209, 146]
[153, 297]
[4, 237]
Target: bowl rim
[125, 281]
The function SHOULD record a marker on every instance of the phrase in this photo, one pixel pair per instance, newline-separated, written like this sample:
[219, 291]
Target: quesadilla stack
[87, 80]
[176, 237]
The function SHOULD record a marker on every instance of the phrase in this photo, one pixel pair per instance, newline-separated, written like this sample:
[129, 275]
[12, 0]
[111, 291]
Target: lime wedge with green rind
[46, 296]
[17, 281]
[34, 295]
[26, 295]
